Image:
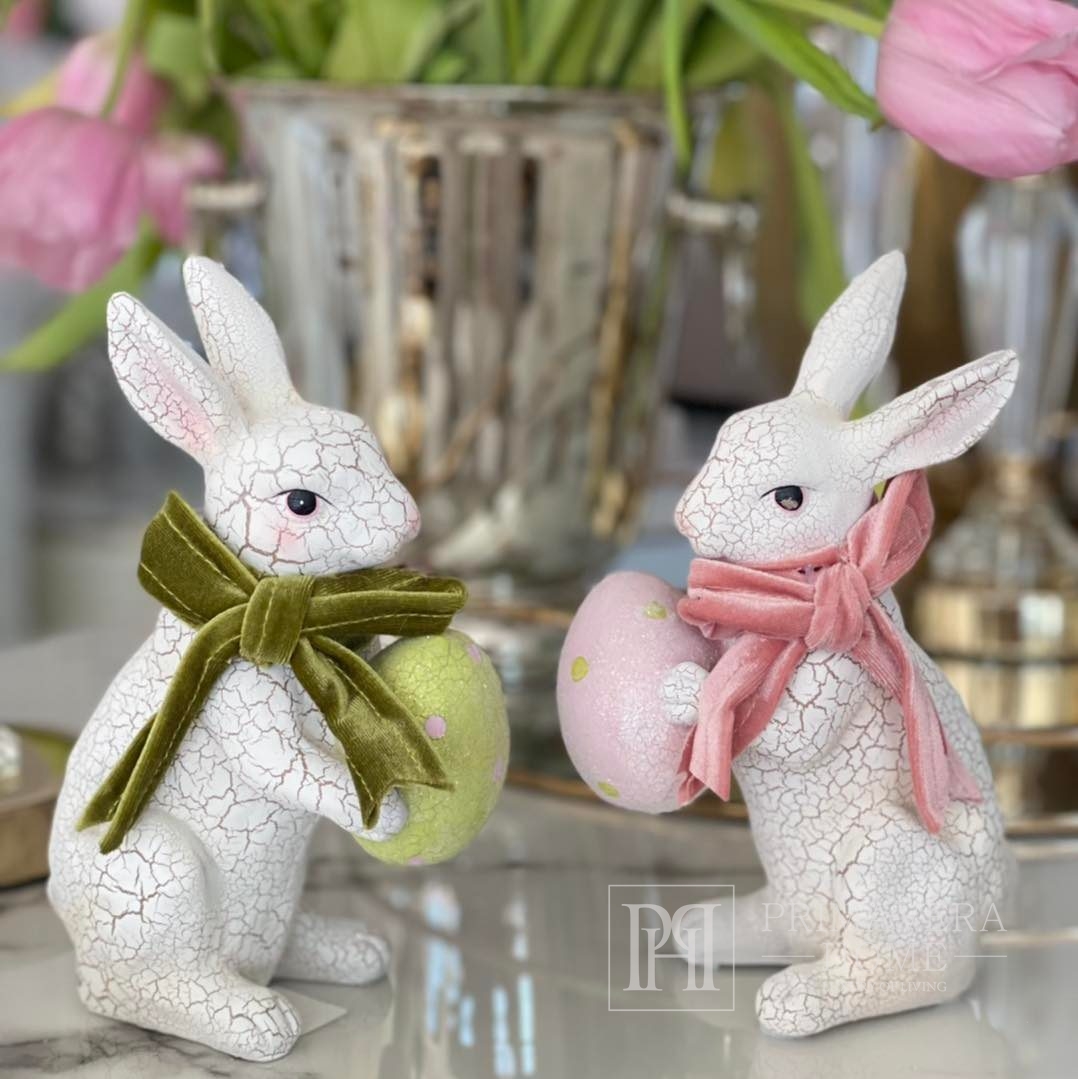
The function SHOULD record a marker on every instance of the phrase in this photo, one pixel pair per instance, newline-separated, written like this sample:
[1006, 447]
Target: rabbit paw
[680, 693]
[271, 1029]
[336, 950]
[216, 1007]
[801, 1000]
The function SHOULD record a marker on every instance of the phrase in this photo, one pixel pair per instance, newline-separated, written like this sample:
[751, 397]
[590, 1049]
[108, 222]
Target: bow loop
[273, 619]
[840, 602]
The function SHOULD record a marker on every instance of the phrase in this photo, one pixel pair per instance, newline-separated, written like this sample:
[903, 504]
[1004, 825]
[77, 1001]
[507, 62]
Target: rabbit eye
[302, 503]
[789, 498]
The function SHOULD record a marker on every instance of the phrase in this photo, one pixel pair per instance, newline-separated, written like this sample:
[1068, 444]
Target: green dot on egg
[655, 610]
[579, 668]
[608, 789]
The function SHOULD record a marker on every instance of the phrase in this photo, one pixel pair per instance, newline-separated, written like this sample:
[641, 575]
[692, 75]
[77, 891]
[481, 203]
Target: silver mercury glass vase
[476, 271]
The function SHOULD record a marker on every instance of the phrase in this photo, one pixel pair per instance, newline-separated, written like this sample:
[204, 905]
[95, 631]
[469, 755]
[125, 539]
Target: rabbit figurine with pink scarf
[787, 664]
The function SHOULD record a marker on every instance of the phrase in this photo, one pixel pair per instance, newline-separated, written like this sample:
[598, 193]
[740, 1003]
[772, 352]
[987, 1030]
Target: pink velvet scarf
[779, 612]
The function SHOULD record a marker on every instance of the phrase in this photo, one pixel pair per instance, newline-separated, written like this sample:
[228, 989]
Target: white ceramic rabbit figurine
[181, 928]
[874, 913]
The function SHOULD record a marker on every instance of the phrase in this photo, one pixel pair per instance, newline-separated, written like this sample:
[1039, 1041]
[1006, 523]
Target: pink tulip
[991, 85]
[86, 75]
[25, 20]
[170, 163]
[71, 194]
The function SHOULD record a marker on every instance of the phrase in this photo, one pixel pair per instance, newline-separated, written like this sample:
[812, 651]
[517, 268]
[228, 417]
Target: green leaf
[437, 32]
[551, 23]
[209, 25]
[379, 42]
[83, 317]
[677, 113]
[821, 276]
[880, 8]
[512, 23]
[573, 66]
[717, 54]
[835, 12]
[623, 34]
[483, 40]
[739, 156]
[450, 65]
[302, 28]
[646, 72]
[174, 50]
[779, 37]
[275, 68]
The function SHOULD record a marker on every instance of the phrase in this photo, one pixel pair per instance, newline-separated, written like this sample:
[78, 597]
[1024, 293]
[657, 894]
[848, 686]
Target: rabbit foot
[808, 998]
[215, 1008]
[336, 950]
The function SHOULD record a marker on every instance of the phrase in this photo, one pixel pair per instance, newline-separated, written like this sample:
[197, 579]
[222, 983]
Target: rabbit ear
[240, 340]
[933, 423]
[169, 386]
[852, 341]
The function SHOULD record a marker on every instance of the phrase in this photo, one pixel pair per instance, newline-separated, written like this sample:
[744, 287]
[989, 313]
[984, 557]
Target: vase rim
[464, 96]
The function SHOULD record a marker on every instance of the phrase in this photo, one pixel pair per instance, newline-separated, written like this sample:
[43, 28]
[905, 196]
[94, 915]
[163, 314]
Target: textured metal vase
[471, 271]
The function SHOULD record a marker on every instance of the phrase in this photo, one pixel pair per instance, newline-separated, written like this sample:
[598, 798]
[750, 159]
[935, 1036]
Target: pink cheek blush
[435, 726]
[621, 644]
[289, 543]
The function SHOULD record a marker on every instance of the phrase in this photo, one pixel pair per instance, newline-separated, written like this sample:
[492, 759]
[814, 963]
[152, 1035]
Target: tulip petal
[989, 85]
[170, 163]
[85, 78]
[72, 191]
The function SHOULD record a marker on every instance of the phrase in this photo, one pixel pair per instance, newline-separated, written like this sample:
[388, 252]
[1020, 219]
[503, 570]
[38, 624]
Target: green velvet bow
[312, 624]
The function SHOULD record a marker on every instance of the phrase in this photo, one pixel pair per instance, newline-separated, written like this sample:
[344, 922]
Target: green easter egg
[451, 686]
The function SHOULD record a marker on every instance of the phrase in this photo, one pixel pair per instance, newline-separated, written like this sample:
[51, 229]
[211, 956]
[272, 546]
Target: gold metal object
[26, 804]
[999, 615]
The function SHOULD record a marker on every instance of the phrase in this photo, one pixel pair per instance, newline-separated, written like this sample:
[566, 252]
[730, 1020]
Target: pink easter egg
[622, 643]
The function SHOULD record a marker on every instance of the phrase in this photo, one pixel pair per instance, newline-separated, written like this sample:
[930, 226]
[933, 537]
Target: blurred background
[544, 250]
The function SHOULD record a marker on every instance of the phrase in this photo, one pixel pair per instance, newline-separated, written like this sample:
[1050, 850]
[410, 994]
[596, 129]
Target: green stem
[136, 14]
[511, 30]
[207, 24]
[829, 11]
[83, 317]
[674, 89]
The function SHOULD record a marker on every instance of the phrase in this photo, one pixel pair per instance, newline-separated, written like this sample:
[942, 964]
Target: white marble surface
[500, 969]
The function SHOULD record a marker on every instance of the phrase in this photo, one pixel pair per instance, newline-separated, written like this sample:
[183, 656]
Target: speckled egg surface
[624, 639]
[450, 683]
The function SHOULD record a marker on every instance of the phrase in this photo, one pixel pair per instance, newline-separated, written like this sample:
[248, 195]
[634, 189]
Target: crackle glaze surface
[874, 914]
[183, 926]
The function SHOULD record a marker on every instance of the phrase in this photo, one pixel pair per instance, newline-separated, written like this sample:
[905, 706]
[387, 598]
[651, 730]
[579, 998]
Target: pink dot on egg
[499, 770]
[475, 652]
[435, 726]
[417, 860]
